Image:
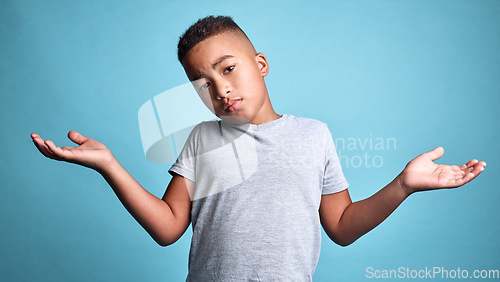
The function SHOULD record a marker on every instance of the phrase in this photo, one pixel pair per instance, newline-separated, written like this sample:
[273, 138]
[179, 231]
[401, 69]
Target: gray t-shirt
[256, 198]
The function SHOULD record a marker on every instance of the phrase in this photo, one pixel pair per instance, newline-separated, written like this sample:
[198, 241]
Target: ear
[262, 64]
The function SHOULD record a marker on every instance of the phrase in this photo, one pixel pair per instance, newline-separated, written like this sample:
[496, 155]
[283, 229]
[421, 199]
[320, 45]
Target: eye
[205, 86]
[229, 69]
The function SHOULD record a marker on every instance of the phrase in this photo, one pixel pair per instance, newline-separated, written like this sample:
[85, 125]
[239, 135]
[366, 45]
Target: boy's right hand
[90, 153]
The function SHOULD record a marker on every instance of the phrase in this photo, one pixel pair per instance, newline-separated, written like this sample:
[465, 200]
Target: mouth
[232, 105]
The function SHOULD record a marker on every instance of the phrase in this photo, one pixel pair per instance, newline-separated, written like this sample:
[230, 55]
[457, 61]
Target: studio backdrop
[392, 79]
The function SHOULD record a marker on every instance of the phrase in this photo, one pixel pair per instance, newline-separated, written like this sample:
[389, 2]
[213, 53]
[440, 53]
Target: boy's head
[226, 70]
[204, 29]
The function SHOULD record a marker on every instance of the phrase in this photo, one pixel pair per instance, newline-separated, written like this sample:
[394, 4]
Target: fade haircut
[203, 29]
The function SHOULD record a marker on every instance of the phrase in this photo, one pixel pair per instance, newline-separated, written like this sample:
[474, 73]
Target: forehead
[203, 55]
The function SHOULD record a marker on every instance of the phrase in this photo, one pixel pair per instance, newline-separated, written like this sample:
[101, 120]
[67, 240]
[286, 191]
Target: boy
[255, 185]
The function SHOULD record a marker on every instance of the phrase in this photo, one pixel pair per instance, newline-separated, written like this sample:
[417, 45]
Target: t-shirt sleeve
[333, 178]
[185, 163]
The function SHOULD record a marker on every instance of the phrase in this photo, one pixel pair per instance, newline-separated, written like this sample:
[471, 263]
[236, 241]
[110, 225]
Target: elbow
[164, 243]
[167, 240]
[343, 242]
[168, 237]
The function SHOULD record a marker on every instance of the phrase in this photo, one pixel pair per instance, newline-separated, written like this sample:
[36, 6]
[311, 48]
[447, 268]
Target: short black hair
[203, 29]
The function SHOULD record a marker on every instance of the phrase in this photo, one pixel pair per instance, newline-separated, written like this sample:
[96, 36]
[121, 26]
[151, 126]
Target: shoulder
[199, 131]
[307, 124]
[205, 127]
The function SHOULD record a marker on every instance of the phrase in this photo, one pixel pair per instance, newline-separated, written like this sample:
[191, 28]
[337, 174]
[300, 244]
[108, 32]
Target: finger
[56, 151]
[76, 137]
[467, 170]
[471, 163]
[471, 175]
[478, 165]
[435, 154]
[39, 143]
[478, 169]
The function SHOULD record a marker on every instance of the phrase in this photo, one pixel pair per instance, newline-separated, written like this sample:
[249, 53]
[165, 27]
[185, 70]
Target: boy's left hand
[422, 173]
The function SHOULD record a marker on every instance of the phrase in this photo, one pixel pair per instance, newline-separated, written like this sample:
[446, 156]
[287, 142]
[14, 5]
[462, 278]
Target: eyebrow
[214, 65]
[220, 60]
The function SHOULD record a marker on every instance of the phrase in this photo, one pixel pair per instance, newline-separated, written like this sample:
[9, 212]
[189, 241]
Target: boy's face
[229, 77]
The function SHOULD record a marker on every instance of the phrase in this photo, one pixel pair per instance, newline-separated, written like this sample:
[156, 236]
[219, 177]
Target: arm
[164, 219]
[345, 222]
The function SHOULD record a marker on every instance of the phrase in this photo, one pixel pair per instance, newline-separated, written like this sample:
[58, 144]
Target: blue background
[423, 72]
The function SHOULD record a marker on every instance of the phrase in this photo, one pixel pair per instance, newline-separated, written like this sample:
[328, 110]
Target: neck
[266, 119]
[266, 114]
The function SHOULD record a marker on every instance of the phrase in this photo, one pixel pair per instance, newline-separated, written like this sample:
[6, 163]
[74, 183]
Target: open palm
[89, 153]
[422, 173]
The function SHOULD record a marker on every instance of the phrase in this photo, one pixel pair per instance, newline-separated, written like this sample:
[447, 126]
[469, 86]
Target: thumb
[435, 154]
[76, 137]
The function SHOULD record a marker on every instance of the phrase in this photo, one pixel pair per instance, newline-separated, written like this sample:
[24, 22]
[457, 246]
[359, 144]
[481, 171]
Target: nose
[222, 89]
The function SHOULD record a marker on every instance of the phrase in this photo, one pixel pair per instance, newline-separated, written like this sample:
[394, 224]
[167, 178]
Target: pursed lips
[232, 105]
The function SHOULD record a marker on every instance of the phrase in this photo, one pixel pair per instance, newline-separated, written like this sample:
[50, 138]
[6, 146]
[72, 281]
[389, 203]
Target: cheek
[208, 101]
[247, 82]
